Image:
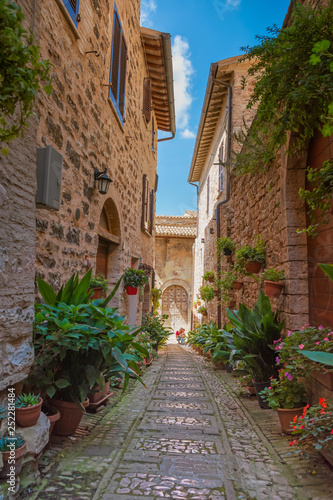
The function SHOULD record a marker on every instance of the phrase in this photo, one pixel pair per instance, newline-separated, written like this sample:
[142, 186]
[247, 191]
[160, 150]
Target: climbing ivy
[293, 88]
[21, 71]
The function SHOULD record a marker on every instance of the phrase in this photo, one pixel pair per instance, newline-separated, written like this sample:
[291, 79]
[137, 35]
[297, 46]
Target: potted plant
[286, 395]
[11, 448]
[28, 408]
[202, 310]
[157, 332]
[272, 279]
[77, 353]
[99, 392]
[115, 381]
[156, 294]
[207, 293]
[146, 268]
[225, 245]
[209, 276]
[313, 430]
[133, 278]
[250, 340]
[52, 414]
[252, 258]
[227, 283]
[99, 284]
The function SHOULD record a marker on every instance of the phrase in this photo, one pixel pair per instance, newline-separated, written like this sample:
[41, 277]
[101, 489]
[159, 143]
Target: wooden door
[102, 258]
[175, 305]
[320, 248]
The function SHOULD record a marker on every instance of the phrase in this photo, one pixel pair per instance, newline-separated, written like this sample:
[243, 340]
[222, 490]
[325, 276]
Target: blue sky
[203, 32]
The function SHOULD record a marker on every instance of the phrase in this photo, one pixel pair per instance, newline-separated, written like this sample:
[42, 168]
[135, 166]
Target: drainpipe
[218, 207]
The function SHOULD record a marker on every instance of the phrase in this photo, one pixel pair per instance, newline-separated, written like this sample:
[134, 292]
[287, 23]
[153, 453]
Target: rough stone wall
[80, 122]
[17, 249]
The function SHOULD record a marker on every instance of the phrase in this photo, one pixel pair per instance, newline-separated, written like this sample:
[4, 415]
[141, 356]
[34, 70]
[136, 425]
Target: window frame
[115, 101]
[73, 15]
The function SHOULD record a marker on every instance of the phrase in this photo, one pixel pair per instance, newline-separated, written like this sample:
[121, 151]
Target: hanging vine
[21, 73]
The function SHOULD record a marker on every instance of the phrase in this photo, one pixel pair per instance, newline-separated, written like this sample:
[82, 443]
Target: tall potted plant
[133, 278]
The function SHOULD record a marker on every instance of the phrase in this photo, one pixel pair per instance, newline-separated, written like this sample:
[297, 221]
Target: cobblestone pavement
[186, 437]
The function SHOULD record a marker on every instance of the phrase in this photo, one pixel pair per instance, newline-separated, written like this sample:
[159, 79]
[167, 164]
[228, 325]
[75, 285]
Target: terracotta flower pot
[95, 397]
[260, 386]
[131, 290]
[253, 267]
[52, 414]
[237, 285]
[251, 390]
[27, 417]
[211, 279]
[19, 453]
[98, 293]
[70, 416]
[286, 418]
[273, 289]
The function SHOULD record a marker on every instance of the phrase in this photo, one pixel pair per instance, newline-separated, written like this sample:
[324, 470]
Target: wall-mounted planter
[227, 252]
[131, 290]
[253, 267]
[238, 285]
[273, 289]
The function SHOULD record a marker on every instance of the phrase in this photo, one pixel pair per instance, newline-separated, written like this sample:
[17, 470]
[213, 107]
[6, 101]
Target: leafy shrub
[154, 326]
[272, 274]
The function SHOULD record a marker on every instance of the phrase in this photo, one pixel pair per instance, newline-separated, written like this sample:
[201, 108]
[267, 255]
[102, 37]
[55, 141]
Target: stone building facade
[267, 204]
[112, 92]
[175, 236]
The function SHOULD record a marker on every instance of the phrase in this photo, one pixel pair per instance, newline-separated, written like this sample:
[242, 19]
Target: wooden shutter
[122, 82]
[152, 210]
[146, 106]
[221, 158]
[115, 56]
[145, 202]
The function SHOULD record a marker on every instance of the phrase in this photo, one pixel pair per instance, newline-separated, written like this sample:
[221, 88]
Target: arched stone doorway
[175, 305]
[320, 248]
[108, 250]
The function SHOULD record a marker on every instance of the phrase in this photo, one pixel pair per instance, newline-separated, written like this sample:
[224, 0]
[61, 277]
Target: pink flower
[327, 340]
[320, 327]
[277, 359]
[290, 332]
[332, 431]
[270, 388]
[301, 346]
[317, 343]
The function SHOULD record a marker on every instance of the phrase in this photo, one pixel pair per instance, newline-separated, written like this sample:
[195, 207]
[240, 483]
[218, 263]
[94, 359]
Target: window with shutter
[221, 159]
[118, 68]
[152, 211]
[146, 106]
[72, 7]
[145, 202]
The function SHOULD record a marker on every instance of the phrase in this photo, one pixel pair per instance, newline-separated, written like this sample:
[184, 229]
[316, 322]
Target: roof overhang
[157, 49]
[215, 98]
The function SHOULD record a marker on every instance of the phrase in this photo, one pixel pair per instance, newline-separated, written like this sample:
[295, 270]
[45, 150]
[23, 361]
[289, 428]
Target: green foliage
[202, 310]
[74, 292]
[313, 430]
[308, 338]
[328, 269]
[319, 197]
[156, 294]
[98, 280]
[209, 338]
[77, 347]
[272, 274]
[25, 400]
[253, 334]
[154, 326]
[21, 71]
[207, 293]
[257, 253]
[225, 244]
[134, 277]
[7, 442]
[293, 87]
[285, 392]
[325, 358]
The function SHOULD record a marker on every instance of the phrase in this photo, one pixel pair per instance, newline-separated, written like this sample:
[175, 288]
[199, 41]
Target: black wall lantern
[103, 181]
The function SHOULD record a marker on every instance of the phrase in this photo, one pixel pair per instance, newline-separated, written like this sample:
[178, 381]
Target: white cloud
[147, 8]
[182, 74]
[223, 6]
[187, 134]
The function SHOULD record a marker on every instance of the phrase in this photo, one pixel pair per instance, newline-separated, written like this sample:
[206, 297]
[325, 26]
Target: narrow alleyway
[188, 437]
